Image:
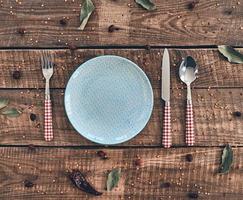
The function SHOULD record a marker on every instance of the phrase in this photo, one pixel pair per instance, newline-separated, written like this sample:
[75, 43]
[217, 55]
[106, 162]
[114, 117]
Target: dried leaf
[147, 4]
[11, 112]
[231, 54]
[113, 179]
[227, 159]
[86, 10]
[3, 103]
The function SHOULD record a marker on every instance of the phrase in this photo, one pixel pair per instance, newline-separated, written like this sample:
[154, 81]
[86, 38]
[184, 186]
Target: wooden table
[29, 26]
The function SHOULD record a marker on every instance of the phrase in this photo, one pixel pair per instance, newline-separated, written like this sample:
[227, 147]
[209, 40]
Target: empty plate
[108, 99]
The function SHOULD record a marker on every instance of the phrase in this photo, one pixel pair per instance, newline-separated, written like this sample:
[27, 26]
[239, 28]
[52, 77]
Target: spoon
[188, 73]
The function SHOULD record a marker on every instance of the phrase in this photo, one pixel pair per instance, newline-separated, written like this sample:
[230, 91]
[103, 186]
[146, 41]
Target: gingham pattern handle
[167, 140]
[190, 138]
[48, 121]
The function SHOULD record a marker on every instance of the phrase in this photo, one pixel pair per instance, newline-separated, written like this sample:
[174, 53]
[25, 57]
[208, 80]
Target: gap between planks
[116, 147]
[124, 47]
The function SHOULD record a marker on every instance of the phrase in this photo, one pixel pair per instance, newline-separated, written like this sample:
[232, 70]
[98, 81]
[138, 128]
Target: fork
[47, 70]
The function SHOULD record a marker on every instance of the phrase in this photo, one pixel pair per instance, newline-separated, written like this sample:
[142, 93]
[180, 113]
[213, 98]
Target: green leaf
[3, 103]
[85, 12]
[11, 112]
[147, 4]
[227, 159]
[113, 179]
[231, 54]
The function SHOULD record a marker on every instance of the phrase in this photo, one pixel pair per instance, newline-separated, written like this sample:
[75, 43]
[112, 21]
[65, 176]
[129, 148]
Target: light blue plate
[108, 99]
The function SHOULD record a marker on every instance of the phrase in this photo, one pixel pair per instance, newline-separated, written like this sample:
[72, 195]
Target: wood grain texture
[214, 122]
[173, 23]
[47, 167]
[214, 70]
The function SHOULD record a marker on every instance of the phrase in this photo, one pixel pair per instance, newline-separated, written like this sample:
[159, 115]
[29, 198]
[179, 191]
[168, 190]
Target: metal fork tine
[42, 61]
[46, 61]
[51, 59]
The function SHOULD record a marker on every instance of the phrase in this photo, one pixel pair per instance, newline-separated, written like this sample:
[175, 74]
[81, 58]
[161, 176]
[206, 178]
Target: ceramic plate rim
[150, 91]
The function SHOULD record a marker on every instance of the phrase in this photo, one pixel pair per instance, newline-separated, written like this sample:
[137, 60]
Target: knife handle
[190, 138]
[167, 140]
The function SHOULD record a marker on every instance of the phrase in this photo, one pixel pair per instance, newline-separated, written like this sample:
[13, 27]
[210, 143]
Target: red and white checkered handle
[190, 138]
[48, 121]
[167, 140]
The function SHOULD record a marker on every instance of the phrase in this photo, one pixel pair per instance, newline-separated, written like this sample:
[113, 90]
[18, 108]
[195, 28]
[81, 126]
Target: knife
[165, 95]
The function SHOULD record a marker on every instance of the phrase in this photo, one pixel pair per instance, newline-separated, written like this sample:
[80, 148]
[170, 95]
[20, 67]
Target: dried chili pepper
[72, 47]
[102, 155]
[237, 114]
[31, 148]
[28, 183]
[21, 31]
[63, 22]
[192, 5]
[147, 47]
[113, 28]
[193, 195]
[189, 157]
[138, 162]
[32, 117]
[81, 183]
[16, 74]
[165, 185]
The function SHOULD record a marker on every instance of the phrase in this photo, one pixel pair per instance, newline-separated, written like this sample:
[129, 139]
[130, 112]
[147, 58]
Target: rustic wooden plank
[173, 23]
[47, 168]
[214, 122]
[214, 70]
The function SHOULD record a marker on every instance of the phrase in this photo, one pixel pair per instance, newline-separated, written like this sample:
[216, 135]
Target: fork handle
[48, 121]
[167, 140]
[190, 138]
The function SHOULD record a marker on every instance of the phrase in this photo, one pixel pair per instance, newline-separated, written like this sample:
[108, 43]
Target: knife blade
[165, 77]
[165, 95]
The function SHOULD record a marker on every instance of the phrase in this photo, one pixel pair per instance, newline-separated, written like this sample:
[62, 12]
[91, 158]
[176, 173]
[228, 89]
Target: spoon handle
[190, 138]
[167, 140]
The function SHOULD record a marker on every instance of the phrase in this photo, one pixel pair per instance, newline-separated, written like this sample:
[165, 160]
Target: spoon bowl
[188, 70]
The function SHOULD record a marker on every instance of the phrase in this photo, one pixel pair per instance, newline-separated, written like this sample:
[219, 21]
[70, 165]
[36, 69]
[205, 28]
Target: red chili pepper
[81, 183]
